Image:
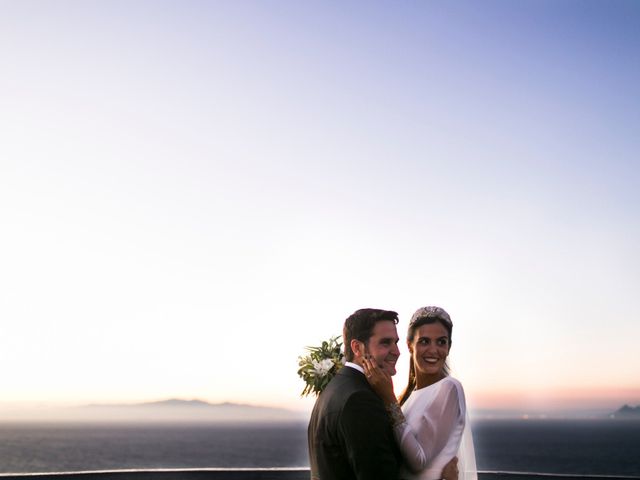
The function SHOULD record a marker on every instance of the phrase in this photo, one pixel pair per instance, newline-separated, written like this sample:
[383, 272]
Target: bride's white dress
[437, 429]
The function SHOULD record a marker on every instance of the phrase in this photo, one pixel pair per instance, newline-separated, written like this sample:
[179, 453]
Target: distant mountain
[626, 412]
[187, 410]
[172, 402]
[172, 410]
[176, 402]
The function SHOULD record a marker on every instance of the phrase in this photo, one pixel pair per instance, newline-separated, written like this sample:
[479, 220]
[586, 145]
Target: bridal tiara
[431, 312]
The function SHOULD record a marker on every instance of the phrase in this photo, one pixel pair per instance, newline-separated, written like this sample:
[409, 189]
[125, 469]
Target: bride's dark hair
[425, 316]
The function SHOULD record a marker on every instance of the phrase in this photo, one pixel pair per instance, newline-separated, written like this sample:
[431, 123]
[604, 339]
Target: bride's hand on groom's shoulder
[379, 380]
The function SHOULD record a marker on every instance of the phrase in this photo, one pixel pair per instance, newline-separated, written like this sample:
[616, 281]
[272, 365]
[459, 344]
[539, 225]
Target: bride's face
[429, 349]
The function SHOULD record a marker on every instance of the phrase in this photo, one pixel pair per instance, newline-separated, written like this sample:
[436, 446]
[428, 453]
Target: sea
[593, 447]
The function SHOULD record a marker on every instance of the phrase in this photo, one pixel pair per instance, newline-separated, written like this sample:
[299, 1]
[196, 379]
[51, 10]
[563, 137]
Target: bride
[430, 419]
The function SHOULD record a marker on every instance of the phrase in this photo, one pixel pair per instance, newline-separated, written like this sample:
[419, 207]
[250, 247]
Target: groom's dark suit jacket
[350, 435]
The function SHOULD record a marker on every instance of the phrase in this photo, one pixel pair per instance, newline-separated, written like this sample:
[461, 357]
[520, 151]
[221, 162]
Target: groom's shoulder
[347, 378]
[347, 382]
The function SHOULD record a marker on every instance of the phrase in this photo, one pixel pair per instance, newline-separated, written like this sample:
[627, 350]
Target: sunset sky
[191, 192]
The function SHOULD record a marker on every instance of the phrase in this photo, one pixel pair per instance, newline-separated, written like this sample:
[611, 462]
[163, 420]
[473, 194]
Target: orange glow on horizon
[574, 398]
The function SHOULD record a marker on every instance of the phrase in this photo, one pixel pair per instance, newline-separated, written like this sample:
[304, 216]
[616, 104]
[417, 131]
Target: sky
[191, 192]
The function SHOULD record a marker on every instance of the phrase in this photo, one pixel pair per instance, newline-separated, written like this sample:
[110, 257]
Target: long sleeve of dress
[431, 437]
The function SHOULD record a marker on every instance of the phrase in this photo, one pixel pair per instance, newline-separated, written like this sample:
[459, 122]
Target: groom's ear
[357, 347]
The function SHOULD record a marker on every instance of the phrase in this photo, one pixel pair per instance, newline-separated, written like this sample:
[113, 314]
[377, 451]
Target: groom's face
[383, 346]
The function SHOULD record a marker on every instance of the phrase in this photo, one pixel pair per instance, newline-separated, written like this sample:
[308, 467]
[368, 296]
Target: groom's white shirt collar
[354, 365]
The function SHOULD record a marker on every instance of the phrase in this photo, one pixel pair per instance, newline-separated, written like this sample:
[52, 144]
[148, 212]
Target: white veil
[466, 454]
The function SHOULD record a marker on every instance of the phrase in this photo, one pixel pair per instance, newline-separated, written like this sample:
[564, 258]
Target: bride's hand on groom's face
[379, 380]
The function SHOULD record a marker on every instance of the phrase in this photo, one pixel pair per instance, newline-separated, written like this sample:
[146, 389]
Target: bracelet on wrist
[395, 413]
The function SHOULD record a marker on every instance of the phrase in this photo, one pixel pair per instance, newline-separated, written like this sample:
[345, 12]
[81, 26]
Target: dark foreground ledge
[171, 474]
[262, 474]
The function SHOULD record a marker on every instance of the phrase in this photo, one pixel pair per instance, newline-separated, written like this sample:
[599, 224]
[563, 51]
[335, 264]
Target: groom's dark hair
[359, 326]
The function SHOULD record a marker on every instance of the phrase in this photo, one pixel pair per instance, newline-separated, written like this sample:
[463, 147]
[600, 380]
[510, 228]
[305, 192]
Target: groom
[350, 435]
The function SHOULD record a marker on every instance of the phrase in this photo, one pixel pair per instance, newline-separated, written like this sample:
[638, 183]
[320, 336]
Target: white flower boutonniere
[320, 365]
